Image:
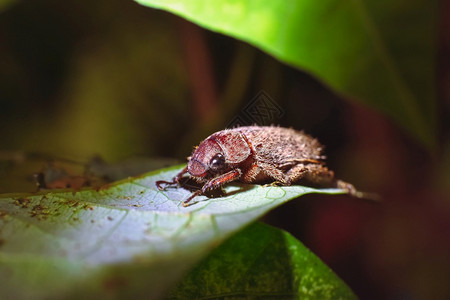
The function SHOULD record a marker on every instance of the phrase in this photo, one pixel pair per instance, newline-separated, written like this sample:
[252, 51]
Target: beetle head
[207, 159]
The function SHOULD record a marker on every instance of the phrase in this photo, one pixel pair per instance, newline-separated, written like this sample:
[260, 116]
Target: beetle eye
[217, 162]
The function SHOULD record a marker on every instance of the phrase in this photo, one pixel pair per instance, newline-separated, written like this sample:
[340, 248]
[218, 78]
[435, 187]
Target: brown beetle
[258, 154]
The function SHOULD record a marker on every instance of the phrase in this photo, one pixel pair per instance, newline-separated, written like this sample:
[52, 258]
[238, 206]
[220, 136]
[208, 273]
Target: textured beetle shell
[281, 146]
[234, 146]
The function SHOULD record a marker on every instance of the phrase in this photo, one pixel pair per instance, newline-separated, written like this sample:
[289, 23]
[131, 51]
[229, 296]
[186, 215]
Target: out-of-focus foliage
[97, 86]
[379, 52]
[5, 3]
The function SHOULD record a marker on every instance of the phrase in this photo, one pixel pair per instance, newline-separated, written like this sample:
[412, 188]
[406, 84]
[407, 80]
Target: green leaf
[264, 262]
[125, 239]
[379, 52]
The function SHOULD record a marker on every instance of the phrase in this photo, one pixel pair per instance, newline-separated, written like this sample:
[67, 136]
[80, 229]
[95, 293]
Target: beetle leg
[318, 174]
[175, 180]
[251, 173]
[275, 173]
[192, 196]
[215, 183]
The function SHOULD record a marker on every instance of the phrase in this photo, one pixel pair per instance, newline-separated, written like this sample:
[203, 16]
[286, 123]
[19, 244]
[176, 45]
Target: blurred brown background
[114, 79]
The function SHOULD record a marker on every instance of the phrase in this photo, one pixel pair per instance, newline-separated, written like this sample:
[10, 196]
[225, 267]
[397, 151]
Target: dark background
[116, 79]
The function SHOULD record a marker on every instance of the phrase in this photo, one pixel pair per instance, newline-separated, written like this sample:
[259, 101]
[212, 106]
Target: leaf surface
[127, 238]
[261, 262]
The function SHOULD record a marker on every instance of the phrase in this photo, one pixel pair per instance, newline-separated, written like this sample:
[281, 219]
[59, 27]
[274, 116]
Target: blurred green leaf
[379, 52]
[125, 239]
[4, 4]
[265, 262]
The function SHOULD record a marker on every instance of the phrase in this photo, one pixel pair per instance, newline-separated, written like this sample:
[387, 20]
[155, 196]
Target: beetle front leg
[215, 183]
[175, 180]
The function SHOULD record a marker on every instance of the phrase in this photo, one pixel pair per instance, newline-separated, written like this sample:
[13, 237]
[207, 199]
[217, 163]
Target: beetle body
[258, 154]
